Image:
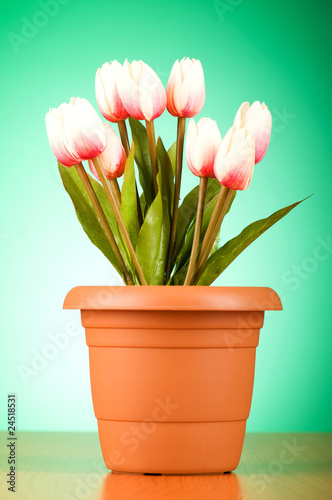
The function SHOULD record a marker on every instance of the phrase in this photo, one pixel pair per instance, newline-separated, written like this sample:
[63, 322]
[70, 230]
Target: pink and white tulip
[203, 142]
[257, 120]
[235, 160]
[113, 158]
[107, 93]
[75, 132]
[57, 137]
[186, 88]
[141, 91]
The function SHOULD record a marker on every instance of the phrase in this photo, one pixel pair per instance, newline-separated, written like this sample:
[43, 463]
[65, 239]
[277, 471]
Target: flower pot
[172, 372]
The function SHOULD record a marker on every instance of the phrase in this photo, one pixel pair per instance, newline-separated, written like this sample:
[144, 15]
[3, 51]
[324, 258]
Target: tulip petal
[225, 144]
[136, 68]
[93, 169]
[253, 113]
[259, 125]
[240, 117]
[128, 90]
[107, 94]
[57, 138]
[173, 90]
[206, 147]
[152, 94]
[185, 65]
[192, 95]
[103, 105]
[84, 129]
[236, 168]
[113, 158]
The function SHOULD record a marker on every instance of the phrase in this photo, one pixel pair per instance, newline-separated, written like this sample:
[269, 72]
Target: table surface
[69, 466]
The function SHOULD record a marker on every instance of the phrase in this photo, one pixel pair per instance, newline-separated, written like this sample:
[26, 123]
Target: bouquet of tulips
[148, 236]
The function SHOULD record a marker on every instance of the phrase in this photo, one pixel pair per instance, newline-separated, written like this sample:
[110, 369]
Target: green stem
[197, 233]
[124, 136]
[178, 173]
[219, 212]
[95, 202]
[125, 142]
[123, 229]
[116, 191]
[153, 153]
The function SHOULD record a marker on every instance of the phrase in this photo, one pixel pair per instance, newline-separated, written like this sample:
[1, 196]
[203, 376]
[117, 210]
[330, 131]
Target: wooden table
[69, 466]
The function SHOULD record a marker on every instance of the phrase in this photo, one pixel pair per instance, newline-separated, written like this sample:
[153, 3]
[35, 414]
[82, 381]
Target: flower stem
[219, 212]
[197, 233]
[124, 136]
[116, 191]
[123, 229]
[125, 142]
[153, 152]
[95, 202]
[178, 172]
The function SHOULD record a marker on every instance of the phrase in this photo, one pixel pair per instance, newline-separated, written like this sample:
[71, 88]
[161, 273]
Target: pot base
[171, 447]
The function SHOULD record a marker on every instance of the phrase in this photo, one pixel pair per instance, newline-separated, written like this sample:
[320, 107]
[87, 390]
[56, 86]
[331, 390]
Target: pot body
[172, 373]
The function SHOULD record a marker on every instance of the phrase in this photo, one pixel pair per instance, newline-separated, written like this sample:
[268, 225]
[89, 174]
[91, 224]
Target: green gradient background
[276, 52]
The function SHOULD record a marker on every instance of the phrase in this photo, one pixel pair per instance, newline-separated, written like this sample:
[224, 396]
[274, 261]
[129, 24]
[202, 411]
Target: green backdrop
[275, 52]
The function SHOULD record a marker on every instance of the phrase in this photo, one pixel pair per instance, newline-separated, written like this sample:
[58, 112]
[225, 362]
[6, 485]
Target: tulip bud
[234, 163]
[107, 93]
[257, 120]
[186, 89]
[203, 142]
[113, 158]
[75, 132]
[141, 91]
[57, 138]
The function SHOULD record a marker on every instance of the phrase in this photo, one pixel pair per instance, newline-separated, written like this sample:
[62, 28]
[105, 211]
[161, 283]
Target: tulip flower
[233, 168]
[186, 89]
[75, 132]
[107, 93]
[141, 91]
[57, 138]
[203, 141]
[144, 97]
[257, 120]
[113, 158]
[185, 98]
[234, 163]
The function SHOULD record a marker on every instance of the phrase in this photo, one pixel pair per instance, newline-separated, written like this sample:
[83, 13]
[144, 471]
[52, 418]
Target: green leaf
[144, 206]
[129, 200]
[153, 239]
[186, 248]
[86, 213]
[142, 158]
[164, 164]
[187, 212]
[223, 257]
[172, 156]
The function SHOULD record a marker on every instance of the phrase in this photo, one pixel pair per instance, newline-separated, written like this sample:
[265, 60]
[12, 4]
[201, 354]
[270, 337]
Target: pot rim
[173, 298]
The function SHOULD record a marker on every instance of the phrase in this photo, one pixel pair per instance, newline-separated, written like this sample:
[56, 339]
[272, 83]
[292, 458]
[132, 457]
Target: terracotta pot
[172, 372]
